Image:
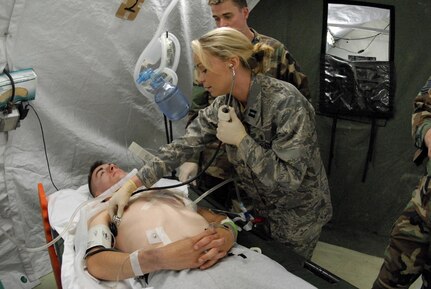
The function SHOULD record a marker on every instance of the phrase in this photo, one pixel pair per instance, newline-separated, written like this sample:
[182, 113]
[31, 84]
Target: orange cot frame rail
[56, 267]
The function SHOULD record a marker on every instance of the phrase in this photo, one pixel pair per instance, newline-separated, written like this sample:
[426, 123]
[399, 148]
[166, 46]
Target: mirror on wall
[357, 59]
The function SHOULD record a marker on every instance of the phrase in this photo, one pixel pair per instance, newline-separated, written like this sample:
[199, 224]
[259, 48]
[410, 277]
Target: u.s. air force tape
[134, 262]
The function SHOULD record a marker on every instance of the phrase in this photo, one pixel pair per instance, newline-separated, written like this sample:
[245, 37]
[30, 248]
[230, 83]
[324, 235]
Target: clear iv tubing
[99, 198]
[201, 197]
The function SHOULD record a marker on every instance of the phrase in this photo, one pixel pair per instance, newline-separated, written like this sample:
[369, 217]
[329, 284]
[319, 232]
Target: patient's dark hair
[92, 168]
[238, 3]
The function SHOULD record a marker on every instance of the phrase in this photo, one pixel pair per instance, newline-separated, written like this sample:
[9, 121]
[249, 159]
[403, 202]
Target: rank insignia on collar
[252, 113]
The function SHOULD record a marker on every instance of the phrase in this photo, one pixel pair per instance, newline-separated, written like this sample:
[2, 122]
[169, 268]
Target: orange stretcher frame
[55, 263]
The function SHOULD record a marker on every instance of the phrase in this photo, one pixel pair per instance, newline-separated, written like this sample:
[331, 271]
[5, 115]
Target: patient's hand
[217, 249]
[200, 250]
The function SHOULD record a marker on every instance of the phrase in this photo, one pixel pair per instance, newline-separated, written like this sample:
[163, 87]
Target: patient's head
[102, 176]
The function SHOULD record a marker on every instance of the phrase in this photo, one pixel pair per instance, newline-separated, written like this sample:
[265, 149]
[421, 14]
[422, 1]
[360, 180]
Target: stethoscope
[232, 84]
[223, 114]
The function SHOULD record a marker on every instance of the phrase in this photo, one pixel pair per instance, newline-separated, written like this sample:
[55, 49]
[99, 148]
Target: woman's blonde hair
[226, 43]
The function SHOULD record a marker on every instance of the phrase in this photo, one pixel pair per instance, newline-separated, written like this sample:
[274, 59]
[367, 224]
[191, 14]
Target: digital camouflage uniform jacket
[409, 253]
[282, 67]
[278, 162]
[421, 123]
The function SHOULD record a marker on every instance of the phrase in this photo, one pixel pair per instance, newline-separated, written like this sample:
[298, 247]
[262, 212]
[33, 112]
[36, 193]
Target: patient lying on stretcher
[161, 234]
[169, 220]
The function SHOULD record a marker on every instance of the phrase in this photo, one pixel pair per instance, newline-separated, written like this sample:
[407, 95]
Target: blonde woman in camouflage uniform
[234, 14]
[270, 140]
[409, 253]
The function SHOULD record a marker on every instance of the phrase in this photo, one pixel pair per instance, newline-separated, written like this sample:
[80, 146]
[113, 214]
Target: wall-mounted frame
[357, 66]
[357, 56]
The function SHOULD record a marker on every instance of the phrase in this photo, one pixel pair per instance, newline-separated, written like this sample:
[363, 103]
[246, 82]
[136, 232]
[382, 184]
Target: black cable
[359, 38]
[341, 48]
[171, 131]
[44, 146]
[168, 138]
[356, 38]
[351, 51]
[186, 182]
[103, 249]
[374, 38]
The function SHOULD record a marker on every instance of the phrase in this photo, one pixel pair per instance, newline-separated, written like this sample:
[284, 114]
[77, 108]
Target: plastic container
[171, 101]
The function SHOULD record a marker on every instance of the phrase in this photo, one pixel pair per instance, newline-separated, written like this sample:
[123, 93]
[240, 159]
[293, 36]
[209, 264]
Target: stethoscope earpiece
[229, 98]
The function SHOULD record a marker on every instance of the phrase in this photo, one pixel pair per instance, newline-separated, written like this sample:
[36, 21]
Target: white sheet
[61, 206]
[271, 275]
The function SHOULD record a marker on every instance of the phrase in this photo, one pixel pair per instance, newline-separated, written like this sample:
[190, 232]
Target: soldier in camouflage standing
[234, 14]
[409, 253]
[271, 139]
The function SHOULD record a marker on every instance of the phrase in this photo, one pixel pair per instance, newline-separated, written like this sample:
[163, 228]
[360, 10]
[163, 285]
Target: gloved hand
[231, 132]
[187, 171]
[120, 199]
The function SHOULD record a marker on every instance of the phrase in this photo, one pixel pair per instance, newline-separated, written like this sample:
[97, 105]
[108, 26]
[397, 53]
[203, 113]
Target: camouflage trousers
[305, 249]
[302, 238]
[408, 254]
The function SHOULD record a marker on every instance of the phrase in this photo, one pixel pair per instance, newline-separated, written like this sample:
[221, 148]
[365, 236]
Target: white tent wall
[377, 47]
[352, 28]
[84, 58]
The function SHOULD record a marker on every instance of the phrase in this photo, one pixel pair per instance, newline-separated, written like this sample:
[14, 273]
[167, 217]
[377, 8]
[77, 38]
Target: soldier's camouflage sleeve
[283, 66]
[421, 120]
[407, 255]
[293, 74]
[170, 156]
[291, 150]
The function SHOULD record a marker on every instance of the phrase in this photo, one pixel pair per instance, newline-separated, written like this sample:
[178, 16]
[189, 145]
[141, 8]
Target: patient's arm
[175, 256]
[184, 254]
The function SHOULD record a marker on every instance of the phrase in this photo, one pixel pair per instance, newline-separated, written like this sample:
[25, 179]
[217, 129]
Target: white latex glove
[120, 199]
[187, 171]
[230, 132]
